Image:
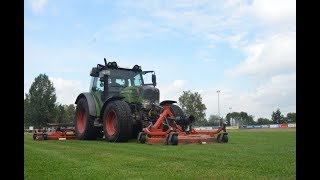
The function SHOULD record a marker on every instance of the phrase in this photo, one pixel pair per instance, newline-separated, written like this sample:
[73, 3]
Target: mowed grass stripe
[248, 155]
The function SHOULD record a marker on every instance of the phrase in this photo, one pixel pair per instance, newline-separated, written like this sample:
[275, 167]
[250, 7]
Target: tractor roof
[114, 65]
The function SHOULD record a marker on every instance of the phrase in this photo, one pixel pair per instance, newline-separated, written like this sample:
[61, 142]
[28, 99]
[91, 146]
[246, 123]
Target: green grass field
[263, 154]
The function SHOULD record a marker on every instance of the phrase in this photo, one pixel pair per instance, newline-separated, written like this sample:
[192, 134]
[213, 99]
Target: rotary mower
[171, 130]
[61, 132]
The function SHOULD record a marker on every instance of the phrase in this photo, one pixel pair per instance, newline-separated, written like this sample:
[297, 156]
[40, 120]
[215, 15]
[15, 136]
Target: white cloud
[216, 21]
[37, 5]
[237, 40]
[274, 55]
[179, 83]
[26, 87]
[172, 91]
[31, 25]
[277, 92]
[275, 12]
[131, 28]
[68, 90]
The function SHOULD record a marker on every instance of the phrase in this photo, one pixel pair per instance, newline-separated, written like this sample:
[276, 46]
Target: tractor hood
[140, 94]
[150, 93]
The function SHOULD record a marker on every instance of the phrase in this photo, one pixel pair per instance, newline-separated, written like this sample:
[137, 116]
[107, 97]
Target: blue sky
[246, 49]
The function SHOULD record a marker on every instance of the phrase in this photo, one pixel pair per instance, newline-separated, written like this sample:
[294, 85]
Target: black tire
[142, 138]
[34, 136]
[219, 139]
[176, 111]
[100, 133]
[117, 122]
[84, 122]
[172, 139]
[136, 129]
[45, 136]
[225, 138]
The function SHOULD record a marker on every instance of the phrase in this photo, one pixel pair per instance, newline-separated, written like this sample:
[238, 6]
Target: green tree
[291, 117]
[39, 104]
[213, 120]
[241, 118]
[60, 114]
[191, 104]
[277, 117]
[262, 121]
[70, 112]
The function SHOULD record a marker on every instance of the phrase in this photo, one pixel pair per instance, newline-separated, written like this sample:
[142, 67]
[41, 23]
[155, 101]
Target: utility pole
[231, 121]
[219, 108]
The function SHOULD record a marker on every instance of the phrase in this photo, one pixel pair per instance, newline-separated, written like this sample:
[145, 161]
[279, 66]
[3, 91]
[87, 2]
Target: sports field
[250, 154]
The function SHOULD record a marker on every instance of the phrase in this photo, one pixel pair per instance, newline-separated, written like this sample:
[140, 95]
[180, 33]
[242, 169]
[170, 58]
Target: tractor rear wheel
[117, 122]
[176, 110]
[84, 122]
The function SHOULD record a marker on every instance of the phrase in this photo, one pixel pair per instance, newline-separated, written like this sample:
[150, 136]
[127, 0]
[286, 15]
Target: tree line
[41, 108]
[191, 103]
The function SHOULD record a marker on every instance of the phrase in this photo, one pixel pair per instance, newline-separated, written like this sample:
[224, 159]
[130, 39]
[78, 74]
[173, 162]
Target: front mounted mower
[173, 127]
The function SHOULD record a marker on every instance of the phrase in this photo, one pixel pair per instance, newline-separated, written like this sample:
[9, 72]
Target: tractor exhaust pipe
[105, 61]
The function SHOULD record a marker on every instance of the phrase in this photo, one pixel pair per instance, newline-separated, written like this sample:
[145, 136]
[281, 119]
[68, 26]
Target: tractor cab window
[117, 82]
[100, 84]
[138, 80]
[96, 84]
[124, 78]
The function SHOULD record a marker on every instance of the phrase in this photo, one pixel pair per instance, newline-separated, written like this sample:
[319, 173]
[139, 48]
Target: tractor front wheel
[176, 111]
[117, 122]
[84, 122]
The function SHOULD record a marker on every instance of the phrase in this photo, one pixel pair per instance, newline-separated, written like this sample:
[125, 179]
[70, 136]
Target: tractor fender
[110, 99]
[167, 102]
[91, 102]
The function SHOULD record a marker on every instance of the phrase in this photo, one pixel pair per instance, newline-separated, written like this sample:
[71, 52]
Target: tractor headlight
[146, 103]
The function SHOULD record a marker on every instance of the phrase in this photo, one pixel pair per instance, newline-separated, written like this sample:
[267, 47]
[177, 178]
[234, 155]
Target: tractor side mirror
[94, 72]
[154, 80]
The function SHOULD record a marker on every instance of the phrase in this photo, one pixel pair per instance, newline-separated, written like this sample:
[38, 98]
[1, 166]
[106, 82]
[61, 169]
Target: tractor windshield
[125, 78]
[118, 78]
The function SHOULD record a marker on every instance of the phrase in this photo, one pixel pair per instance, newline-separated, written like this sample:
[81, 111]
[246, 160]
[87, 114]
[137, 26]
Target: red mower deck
[59, 133]
[169, 130]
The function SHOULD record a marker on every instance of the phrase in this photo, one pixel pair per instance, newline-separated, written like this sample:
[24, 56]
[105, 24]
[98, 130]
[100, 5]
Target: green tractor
[118, 105]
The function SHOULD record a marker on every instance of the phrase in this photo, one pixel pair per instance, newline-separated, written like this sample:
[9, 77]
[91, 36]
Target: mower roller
[171, 130]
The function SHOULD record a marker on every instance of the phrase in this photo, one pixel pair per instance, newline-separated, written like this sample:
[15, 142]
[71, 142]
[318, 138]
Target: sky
[244, 48]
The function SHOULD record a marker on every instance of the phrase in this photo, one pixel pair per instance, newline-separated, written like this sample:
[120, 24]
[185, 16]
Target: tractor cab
[109, 80]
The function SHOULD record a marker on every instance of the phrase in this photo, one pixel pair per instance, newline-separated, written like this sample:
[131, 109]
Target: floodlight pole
[218, 107]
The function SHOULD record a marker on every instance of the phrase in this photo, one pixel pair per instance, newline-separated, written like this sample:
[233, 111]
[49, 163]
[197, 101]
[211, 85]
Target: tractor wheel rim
[81, 120]
[111, 125]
